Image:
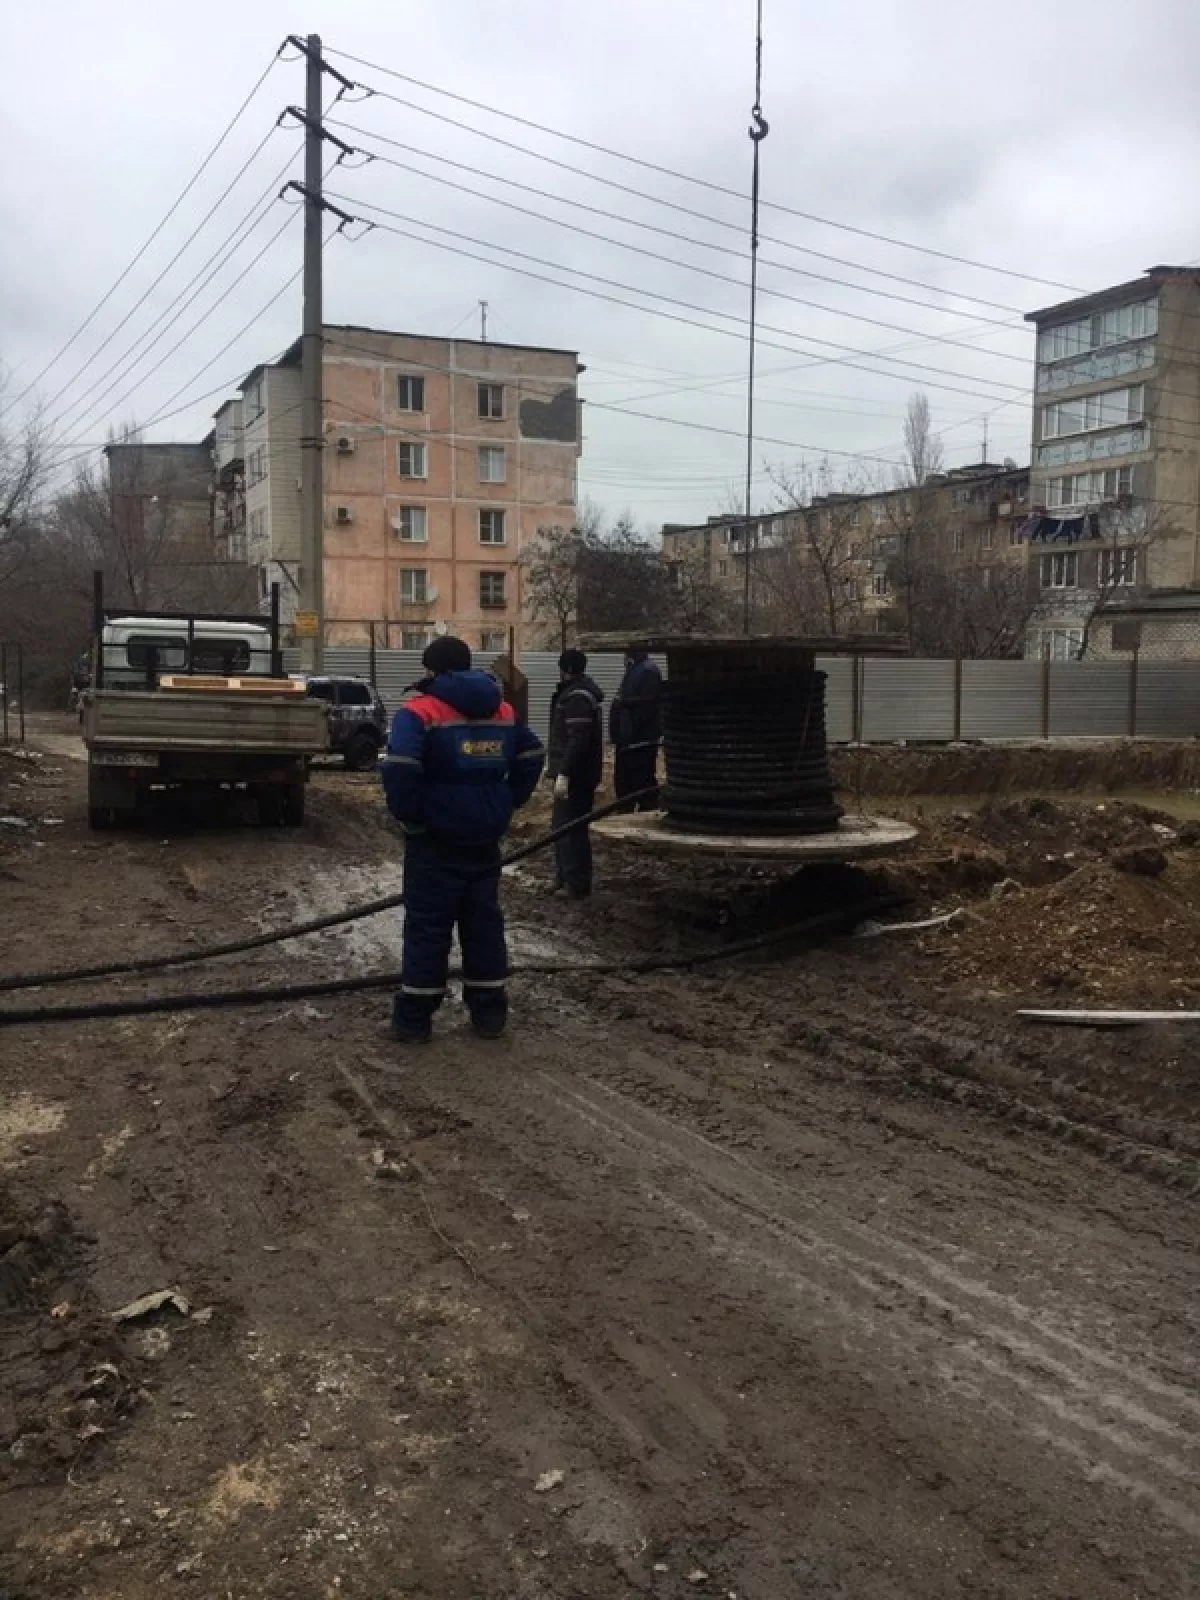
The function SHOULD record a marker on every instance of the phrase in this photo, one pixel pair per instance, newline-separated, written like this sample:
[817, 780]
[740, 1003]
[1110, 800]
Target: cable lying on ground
[334, 919]
[845, 917]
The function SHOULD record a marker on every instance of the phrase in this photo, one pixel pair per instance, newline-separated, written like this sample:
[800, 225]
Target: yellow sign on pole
[306, 625]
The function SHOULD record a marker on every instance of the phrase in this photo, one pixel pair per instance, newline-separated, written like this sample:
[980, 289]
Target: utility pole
[312, 411]
[483, 321]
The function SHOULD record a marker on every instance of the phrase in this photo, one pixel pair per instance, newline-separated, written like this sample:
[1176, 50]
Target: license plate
[124, 758]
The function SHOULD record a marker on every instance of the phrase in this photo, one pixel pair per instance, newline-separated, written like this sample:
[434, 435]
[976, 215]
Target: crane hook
[761, 126]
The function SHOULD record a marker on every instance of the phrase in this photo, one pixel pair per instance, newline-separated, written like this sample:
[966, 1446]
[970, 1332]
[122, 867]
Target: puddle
[375, 943]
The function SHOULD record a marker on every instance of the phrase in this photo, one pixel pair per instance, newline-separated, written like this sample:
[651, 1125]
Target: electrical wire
[845, 917]
[223, 253]
[667, 299]
[686, 177]
[205, 219]
[174, 207]
[691, 239]
[919, 336]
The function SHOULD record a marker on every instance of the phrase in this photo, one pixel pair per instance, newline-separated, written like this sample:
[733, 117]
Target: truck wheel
[361, 753]
[292, 806]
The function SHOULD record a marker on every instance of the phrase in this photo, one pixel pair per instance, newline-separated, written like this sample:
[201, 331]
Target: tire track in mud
[1117, 1423]
[829, 1256]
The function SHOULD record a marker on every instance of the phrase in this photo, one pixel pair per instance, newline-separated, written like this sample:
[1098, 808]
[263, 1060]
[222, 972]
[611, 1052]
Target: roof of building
[1117, 294]
[1155, 603]
[291, 355]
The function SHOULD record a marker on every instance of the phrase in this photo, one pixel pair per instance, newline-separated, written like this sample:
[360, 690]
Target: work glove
[561, 787]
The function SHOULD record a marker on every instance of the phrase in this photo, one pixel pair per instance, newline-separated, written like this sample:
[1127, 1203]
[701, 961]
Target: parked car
[358, 718]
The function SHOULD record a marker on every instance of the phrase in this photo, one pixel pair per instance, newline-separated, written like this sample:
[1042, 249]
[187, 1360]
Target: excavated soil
[815, 1273]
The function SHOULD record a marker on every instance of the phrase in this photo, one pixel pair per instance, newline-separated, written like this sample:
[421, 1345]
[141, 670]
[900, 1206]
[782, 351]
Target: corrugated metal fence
[881, 700]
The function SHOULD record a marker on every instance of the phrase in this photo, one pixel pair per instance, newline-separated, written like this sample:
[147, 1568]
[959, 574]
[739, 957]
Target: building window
[856, 552]
[1117, 325]
[962, 497]
[1060, 644]
[494, 641]
[491, 401]
[881, 512]
[414, 586]
[254, 400]
[1117, 568]
[410, 393]
[411, 524]
[960, 541]
[855, 517]
[414, 638]
[256, 525]
[411, 461]
[881, 585]
[986, 539]
[1016, 533]
[491, 464]
[1061, 571]
[1089, 488]
[256, 466]
[1113, 408]
[722, 569]
[491, 527]
[492, 590]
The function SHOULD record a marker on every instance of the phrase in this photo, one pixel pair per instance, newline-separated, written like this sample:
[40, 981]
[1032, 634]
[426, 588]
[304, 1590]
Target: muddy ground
[813, 1275]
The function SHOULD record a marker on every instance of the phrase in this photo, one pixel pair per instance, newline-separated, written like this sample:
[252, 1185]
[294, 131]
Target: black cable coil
[747, 754]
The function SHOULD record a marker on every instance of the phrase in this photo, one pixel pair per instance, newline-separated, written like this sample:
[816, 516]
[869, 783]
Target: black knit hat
[447, 654]
[573, 662]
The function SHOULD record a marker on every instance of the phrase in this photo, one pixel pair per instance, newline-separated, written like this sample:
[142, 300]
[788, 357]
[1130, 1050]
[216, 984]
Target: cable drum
[747, 753]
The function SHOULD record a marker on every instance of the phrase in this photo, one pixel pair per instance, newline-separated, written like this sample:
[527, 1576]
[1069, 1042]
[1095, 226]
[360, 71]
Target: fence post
[958, 677]
[1046, 697]
[21, 690]
[1133, 693]
[856, 707]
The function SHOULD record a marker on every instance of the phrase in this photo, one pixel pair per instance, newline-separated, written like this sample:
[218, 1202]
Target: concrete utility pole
[312, 411]
[483, 321]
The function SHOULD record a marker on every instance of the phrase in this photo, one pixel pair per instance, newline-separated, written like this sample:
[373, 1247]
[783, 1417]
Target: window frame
[414, 445]
[1124, 558]
[1069, 560]
[1134, 413]
[489, 452]
[488, 578]
[490, 390]
[493, 512]
[411, 378]
[412, 511]
[493, 633]
[413, 599]
[421, 634]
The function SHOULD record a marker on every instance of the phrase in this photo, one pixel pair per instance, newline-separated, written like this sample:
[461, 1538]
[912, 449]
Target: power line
[691, 239]
[253, 156]
[179, 199]
[704, 183]
[920, 335]
[222, 255]
[668, 299]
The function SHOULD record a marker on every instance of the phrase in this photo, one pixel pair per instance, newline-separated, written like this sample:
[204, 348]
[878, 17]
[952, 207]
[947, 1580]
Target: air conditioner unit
[345, 445]
[344, 514]
[431, 595]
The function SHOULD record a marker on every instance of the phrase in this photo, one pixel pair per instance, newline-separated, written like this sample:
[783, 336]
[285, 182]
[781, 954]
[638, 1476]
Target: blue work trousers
[443, 888]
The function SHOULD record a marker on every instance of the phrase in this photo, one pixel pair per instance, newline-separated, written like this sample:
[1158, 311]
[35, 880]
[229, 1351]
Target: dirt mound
[1099, 934]
[1059, 765]
[66, 1378]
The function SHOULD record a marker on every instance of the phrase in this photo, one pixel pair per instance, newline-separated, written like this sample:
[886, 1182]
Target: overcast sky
[1061, 142]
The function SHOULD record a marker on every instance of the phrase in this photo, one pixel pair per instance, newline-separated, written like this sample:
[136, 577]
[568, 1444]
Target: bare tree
[969, 607]
[697, 604]
[24, 465]
[1121, 560]
[551, 563]
[810, 579]
[923, 454]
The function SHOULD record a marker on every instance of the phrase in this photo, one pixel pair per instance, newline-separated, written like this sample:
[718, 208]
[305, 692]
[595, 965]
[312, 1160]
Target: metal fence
[882, 700]
[12, 693]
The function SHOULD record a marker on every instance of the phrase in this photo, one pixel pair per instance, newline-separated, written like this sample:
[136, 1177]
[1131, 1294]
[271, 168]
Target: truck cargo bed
[211, 720]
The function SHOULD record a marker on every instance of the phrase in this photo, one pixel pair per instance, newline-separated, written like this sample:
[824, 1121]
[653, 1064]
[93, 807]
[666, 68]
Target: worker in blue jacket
[458, 764]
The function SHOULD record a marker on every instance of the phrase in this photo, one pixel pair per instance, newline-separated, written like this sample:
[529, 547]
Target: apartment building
[442, 459]
[1116, 455]
[838, 562]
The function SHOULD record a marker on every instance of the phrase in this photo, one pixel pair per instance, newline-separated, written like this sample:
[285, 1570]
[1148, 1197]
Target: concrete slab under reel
[856, 838]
